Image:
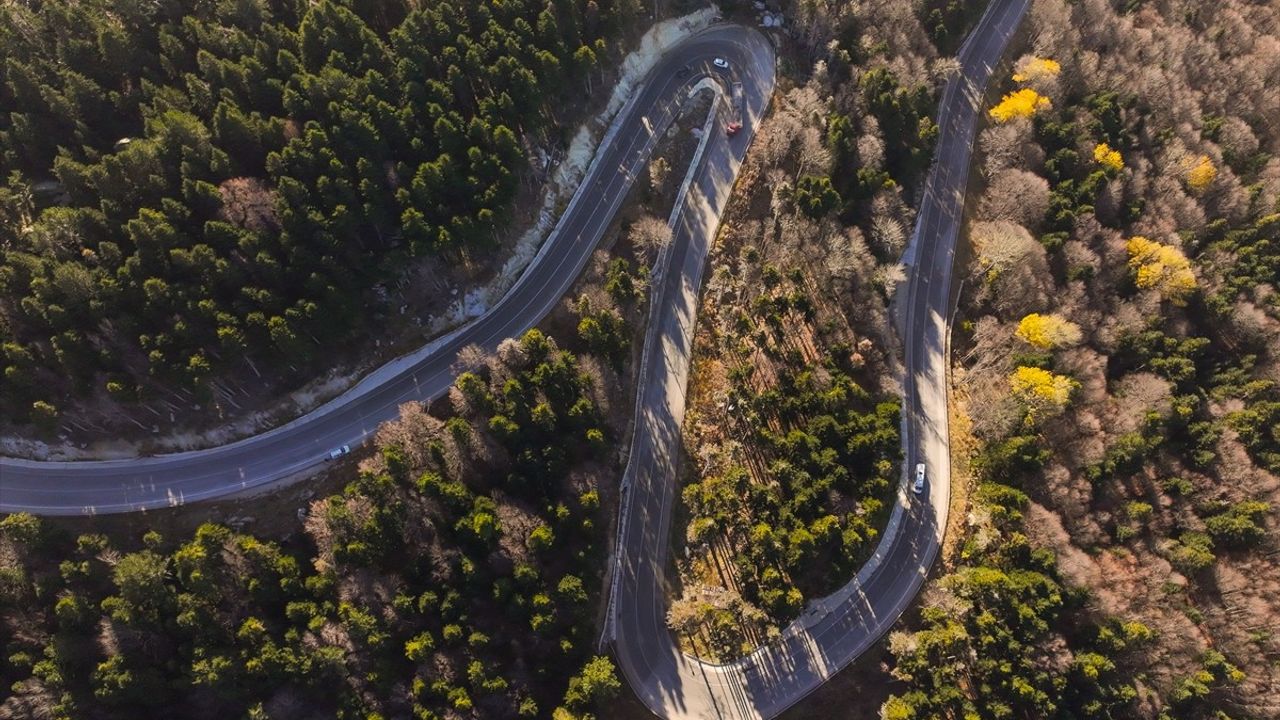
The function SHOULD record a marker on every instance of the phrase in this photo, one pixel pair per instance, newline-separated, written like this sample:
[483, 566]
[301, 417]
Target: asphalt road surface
[836, 629]
[294, 450]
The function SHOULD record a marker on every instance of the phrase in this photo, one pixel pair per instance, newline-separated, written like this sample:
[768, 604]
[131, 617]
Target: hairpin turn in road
[835, 629]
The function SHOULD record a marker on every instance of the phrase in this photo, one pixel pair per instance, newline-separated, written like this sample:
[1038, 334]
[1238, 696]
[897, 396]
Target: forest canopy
[457, 575]
[1120, 366]
[187, 183]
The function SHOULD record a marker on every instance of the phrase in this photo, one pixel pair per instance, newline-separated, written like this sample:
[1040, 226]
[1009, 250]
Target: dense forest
[1121, 366]
[1002, 637]
[190, 186]
[458, 575]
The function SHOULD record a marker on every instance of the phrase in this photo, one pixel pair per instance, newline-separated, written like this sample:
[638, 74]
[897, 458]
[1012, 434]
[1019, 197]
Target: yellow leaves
[1106, 157]
[1162, 268]
[1028, 101]
[1041, 391]
[1048, 331]
[1023, 103]
[1148, 276]
[1038, 383]
[1200, 173]
[1035, 69]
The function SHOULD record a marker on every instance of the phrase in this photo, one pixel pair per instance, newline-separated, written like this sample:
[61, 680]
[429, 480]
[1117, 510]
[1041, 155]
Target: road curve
[299, 447]
[833, 630]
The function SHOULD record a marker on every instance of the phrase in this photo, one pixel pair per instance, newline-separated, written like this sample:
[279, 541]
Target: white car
[338, 452]
[917, 487]
[720, 63]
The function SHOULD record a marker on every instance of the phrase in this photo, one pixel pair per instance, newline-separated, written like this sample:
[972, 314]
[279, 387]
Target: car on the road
[735, 107]
[338, 452]
[684, 72]
[720, 63]
[917, 487]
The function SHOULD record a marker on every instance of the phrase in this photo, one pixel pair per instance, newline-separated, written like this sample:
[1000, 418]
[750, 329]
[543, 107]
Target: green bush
[1239, 525]
[1192, 553]
[815, 196]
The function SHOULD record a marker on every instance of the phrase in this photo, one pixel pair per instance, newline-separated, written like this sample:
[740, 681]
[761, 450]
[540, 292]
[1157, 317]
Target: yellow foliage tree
[1201, 173]
[1048, 331]
[1041, 391]
[1036, 68]
[1023, 103]
[1162, 268]
[1106, 157]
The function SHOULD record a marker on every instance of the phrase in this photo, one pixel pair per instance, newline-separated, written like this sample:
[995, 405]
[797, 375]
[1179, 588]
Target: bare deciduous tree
[1003, 145]
[248, 203]
[944, 69]
[780, 191]
[890, 275]
[799, 109]
[889, 235]
[650, 234]
[849, 257]
[871, 146]
[815, 158]
[511, 354]
[890, 220]
[470, 358]
[1017, 196]
[1002, 244]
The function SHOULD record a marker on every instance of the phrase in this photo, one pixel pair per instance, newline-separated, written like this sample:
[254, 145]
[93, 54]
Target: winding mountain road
[294, 450]
[834, 630]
